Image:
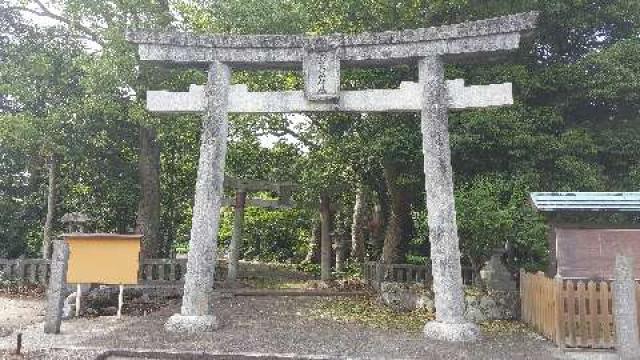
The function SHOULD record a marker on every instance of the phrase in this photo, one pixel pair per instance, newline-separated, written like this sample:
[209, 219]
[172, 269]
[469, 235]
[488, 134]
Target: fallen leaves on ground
[365, 310]
[21, 291]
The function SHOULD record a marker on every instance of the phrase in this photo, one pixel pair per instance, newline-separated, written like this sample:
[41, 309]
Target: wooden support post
[559, 315]
[78, 299]
[120, 301]
[18, 344]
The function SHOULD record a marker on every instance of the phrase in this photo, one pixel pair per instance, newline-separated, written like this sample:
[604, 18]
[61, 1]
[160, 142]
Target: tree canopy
[75, 89]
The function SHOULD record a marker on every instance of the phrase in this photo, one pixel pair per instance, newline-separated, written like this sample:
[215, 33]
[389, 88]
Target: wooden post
[120, 301]
[78, 298]
[18, 344]
[559, 315]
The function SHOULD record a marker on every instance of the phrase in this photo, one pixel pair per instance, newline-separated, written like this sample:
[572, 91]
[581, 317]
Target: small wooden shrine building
[583, 249]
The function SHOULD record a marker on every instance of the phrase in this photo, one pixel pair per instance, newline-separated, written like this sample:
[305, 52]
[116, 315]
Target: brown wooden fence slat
[572, 313]
[581, 299]
[604, 315]
[559, 312]
[592, 310]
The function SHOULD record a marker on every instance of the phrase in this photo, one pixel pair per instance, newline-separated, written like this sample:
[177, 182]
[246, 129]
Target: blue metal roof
[586, 201]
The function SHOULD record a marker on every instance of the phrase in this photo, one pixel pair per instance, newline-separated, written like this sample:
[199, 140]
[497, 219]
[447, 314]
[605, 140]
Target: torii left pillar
[197, 313]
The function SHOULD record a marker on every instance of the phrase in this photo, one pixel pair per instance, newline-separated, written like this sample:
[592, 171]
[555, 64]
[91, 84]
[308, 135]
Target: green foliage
[574, 125]
[270, 235]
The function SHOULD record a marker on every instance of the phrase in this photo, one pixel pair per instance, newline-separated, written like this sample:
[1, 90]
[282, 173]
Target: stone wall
[480, 305]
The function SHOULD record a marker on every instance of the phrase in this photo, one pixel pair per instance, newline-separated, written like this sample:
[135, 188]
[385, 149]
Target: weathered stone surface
[69, 307]
[321, 72]
[192, 323]
[321, 58]
[495, 275]
[406, 98]
[479, 305]
[443, 231]
[625, 309]
[492, 305]
[199, 277]
[101, 297]
[458, 41]
[403, 297]
[57, 285]
[453, 332]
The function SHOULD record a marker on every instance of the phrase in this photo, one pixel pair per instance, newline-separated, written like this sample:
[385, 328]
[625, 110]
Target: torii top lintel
[471, 41]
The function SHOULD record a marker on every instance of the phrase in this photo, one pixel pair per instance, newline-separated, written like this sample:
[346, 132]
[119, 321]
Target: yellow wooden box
[110, 259]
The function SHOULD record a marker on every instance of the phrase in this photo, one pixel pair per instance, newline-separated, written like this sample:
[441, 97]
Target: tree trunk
[325, 248]
[359, 226]
[313, 255]
[400, 226]
[51, 208]
[148, 219]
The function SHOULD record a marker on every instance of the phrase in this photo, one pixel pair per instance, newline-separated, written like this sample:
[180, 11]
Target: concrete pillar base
[191, 323]
[452, 332]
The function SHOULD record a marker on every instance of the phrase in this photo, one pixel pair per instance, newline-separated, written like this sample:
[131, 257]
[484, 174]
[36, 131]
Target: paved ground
[267, 325]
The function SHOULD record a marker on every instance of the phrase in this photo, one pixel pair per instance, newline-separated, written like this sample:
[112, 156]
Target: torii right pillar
[450, 324]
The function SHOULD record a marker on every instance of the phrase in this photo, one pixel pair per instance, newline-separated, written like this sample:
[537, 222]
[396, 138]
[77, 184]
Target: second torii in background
[241, 188]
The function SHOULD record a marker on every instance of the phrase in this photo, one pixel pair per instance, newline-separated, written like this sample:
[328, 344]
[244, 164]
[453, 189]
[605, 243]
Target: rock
[91, 311]
[426, 303]
[474, 314]
[495, 275]
[144, 298]
[487, 302]
[397, 296]
[470, 299]
[102, 297]
[69, 307]
[402, 297]
[109, 311]
[479, 305]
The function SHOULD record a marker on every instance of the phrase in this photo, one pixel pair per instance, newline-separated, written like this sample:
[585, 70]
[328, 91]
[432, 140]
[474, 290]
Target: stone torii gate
[241, 187]
[321, 59]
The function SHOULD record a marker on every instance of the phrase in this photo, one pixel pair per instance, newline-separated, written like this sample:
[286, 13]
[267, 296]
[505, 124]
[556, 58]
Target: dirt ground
[17, 313]
[253, 325]
[267, 325]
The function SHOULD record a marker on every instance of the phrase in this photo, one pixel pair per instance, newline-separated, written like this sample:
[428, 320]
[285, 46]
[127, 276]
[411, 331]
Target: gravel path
[269, 325]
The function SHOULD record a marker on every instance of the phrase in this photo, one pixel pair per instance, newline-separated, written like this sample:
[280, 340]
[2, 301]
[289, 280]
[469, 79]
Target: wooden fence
[572, 313]
[152, 271]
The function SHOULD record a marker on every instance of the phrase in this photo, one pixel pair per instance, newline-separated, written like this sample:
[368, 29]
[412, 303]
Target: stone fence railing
[375, 272]
[152, 271]
[34, 271]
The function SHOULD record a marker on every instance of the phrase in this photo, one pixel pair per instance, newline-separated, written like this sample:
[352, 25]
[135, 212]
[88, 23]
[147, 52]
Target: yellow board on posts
[109, 259]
